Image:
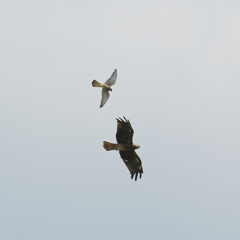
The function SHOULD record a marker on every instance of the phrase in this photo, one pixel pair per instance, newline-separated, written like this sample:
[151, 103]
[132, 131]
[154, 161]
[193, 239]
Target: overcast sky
[178, 83]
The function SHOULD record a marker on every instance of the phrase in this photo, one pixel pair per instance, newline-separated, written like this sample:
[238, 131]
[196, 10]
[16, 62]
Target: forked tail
[110, 146]
[95, 83]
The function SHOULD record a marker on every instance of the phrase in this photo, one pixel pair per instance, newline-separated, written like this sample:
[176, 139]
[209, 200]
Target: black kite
[126, 147]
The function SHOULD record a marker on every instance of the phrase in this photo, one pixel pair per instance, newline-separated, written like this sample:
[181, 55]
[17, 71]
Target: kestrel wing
[112, 80]
[105, 97]
[133, 163]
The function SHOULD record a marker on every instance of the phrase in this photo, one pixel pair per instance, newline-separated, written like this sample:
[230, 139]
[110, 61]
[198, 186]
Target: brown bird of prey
[126, 147]
[106, 87]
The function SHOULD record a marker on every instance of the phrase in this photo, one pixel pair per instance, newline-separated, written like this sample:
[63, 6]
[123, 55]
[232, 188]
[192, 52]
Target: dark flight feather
[133, 163]
[124, 131]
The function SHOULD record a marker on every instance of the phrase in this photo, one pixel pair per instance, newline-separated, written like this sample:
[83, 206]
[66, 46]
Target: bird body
[95, 83]
[126, 147]
[119, 147]
[106, 87]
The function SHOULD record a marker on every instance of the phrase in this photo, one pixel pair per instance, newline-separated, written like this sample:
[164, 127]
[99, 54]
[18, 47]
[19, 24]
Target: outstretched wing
[133, 163]
[105, 97]
[124, 131]
[112, 80]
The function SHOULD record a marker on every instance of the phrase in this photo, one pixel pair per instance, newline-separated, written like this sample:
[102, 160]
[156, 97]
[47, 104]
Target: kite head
[136, 146]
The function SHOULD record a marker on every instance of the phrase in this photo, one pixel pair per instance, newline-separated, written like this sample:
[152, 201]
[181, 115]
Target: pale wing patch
[112, 80]
[105, 97]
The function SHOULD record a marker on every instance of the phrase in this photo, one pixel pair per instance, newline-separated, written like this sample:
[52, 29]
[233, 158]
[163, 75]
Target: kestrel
[106, 87]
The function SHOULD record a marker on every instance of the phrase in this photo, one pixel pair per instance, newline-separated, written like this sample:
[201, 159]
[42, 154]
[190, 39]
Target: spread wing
[133, 163]
[105, 97]
[112, 80]
[124, 131]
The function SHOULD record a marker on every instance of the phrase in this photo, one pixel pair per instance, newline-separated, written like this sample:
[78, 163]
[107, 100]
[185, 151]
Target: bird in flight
[126, 147]
[106, 87]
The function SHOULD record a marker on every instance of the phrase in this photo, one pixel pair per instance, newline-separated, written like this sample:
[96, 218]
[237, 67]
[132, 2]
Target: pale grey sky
[180, 62]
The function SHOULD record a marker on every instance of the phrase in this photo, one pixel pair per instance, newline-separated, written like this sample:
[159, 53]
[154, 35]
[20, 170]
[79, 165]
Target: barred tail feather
[95, 83]
[110, 146]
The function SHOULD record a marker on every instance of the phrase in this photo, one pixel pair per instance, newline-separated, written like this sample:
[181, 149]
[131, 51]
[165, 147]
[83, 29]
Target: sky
[178, 84]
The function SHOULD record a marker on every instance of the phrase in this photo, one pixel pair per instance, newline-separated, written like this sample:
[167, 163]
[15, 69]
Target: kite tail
[110, 146]
[95, 83]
